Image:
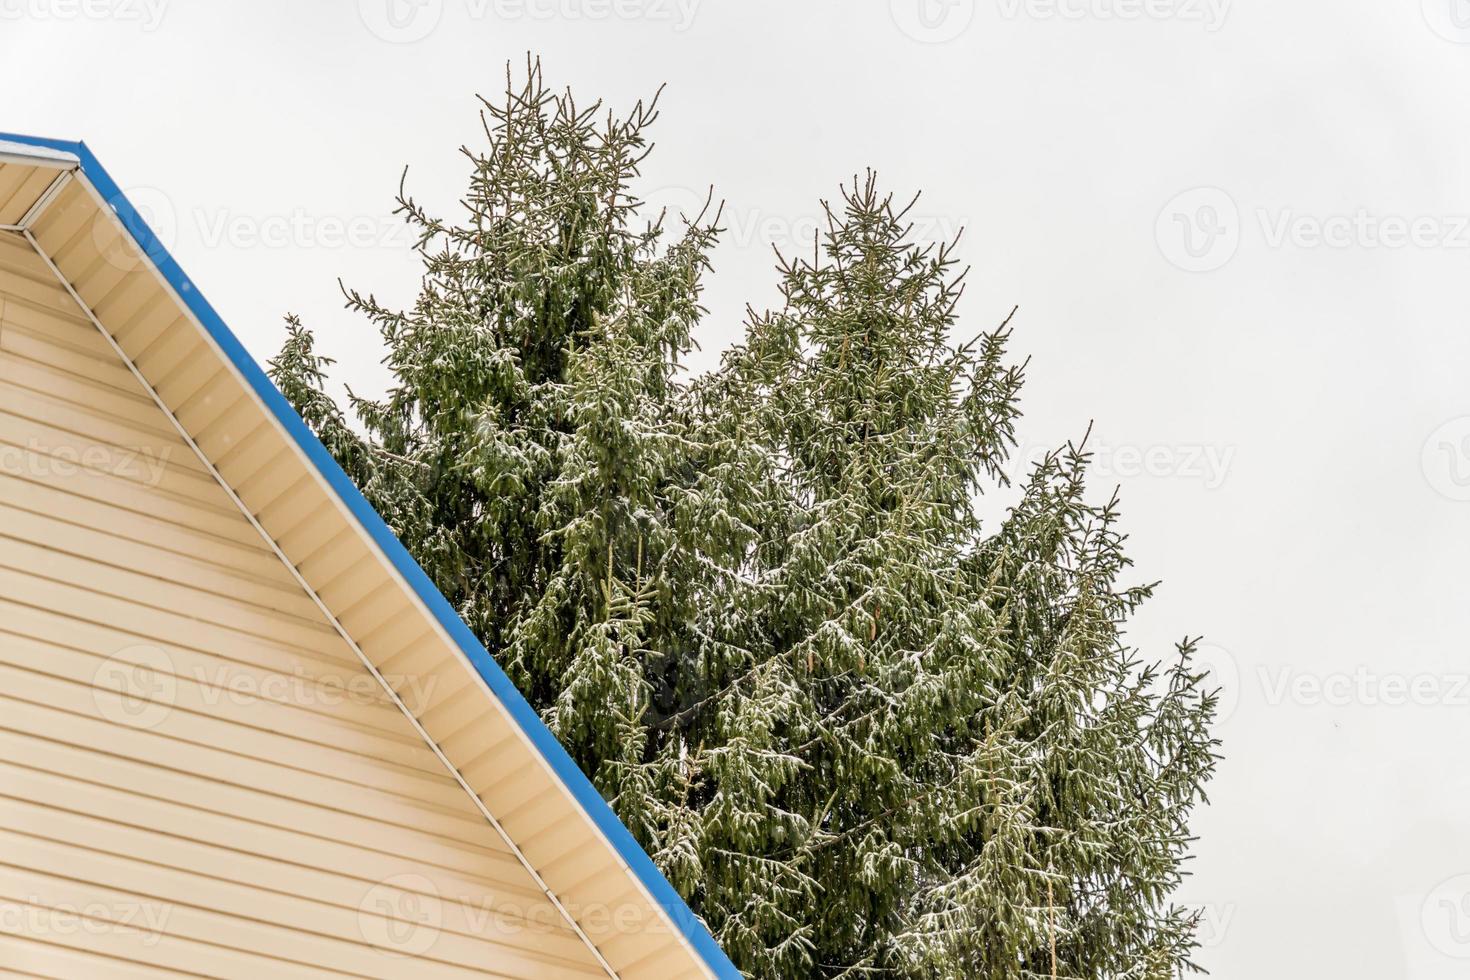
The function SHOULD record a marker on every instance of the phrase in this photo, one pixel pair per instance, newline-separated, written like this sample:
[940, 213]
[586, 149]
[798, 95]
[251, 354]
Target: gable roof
[371, 590]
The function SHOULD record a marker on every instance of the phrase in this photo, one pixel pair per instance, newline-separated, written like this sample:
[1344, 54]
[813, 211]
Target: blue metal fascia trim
[524, 715]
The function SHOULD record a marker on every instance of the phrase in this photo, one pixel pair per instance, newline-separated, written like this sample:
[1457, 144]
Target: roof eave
[66, 154]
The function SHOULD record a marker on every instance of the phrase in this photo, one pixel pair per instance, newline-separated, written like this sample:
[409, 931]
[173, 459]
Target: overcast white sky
[1238, 232]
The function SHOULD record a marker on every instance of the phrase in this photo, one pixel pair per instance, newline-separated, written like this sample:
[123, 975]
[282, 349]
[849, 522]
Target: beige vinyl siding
[20, 187]
[198, 776]
[332, 554]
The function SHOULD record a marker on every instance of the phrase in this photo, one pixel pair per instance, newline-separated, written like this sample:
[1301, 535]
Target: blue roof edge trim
[520, 710]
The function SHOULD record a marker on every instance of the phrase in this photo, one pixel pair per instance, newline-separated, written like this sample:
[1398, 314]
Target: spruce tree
[527, 450]
[862, 734]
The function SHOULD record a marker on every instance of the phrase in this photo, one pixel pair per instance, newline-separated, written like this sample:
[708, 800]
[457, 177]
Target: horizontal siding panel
[64, 456]
[127, 487]
[194, 385]
[226, 430]
[360, 854]
[254, 450]
[215, 411]
[13, 240]
[281, 497]
[404, 629]
[172, 348]
[226, 708]
[24, 266]
[268, 484]
[342, 562]
[28, 417]
[272, 595]
[158, 625]
[515, 786]
[310, 533]
[379, 607]
[22, 957]
[32, 183]
[132, 407]
[65, 459]
[12, 177]
[649, 954]
[290, 707]
[157, 597]
[142, 329]
[38, 287]
[291, 928]
[495, 759]
[411, 843]
[84, 256]
[462, 897]
[72, 209]
[66, 326]
[179, 741]
[103, 936]
[107, 417]
[38, 349]
[248, 560]
[127, 298]
[106, 273]
[318, 686]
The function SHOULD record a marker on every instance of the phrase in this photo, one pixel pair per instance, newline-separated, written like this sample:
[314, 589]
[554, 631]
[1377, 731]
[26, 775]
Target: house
[241, 733]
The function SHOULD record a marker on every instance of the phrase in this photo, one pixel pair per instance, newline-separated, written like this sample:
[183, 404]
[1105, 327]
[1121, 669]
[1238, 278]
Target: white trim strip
[62, 161]
[44, 201]
[37, 156]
